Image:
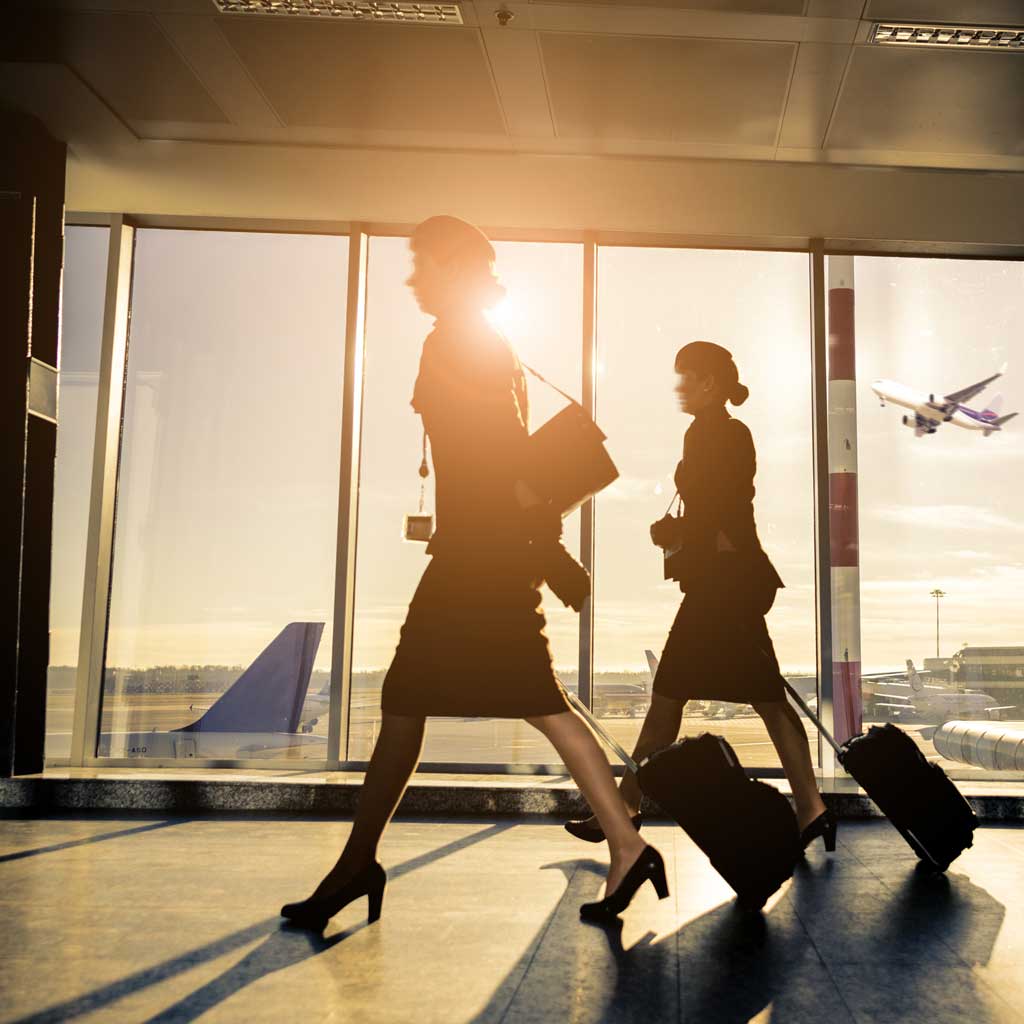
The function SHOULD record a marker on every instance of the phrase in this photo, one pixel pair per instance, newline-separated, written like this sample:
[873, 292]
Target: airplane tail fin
[652, 664]
[991, 411]
[268, 696]
[916, 683]
[997, 424]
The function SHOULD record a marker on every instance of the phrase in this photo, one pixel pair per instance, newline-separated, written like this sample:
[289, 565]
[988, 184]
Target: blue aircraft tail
[268, 696]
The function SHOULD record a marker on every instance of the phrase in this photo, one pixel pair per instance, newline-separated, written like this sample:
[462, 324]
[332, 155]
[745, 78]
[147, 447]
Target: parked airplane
[929, 412]
[931, 703]
[260, 715]
[629, 699]
[921, 701]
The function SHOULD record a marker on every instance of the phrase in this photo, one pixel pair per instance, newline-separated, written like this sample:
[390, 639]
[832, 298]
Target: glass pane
[542, 317]
[85, 271]
[941, 537]
[650, 303]
[222, 594]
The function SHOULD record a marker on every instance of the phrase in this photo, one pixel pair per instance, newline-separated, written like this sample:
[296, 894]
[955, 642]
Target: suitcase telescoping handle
[802, 704]
[588, 717]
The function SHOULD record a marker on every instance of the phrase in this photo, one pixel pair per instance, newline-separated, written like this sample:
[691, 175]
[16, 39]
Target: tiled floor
[176, 920]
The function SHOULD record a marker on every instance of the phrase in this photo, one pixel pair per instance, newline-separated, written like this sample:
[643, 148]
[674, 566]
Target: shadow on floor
[808, 958]
[283, 947]
[120, 834]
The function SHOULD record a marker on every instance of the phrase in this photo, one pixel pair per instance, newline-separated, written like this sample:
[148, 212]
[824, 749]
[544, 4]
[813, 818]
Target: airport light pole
[937, 594]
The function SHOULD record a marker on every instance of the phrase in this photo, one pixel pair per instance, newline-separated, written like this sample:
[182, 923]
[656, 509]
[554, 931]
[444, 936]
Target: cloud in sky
[947, 517]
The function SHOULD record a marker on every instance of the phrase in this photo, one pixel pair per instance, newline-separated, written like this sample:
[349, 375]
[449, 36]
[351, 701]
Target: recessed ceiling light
[949, 37]
[347, 10]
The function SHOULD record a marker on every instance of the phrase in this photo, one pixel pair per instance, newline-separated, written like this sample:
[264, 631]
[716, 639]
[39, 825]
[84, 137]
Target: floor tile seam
[537, 945]
[981, 980]
[1006, 845]
[810, 938]
[835, 985]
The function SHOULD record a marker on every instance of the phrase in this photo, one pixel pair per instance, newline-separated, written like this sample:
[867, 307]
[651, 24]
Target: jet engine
[908, 422]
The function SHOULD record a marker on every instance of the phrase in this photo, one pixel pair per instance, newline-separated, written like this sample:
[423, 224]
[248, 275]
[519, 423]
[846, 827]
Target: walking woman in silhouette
[473, 643]
[718, 647]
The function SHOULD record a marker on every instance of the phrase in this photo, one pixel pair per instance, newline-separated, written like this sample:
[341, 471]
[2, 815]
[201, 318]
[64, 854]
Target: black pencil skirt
[719, 649]
[473, 645]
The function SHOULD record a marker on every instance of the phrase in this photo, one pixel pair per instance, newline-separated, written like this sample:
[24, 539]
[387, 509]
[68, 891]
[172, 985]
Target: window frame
[107, 444]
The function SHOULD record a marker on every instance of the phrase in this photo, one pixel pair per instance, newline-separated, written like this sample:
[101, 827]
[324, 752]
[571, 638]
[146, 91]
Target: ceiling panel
[812, 95]
[369, 77]
[791, 7]
[683, 90]
[62, 101]
[128, 60]
[931, 101]
[965, 12]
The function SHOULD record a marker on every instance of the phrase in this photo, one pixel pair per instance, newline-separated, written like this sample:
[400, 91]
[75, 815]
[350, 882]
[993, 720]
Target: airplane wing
[896, 674]
[966, 394]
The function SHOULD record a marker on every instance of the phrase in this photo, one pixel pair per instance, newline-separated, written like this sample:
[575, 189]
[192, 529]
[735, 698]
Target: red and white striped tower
[842, 502]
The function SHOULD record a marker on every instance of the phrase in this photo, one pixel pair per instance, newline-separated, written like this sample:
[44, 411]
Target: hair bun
[739, 394]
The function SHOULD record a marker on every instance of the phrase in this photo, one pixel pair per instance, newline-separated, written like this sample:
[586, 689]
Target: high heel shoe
[594, 833]
[648, 865]
[315, 912]
[824, 825]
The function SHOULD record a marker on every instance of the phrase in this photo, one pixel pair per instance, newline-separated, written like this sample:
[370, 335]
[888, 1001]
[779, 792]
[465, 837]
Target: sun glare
[511, 317]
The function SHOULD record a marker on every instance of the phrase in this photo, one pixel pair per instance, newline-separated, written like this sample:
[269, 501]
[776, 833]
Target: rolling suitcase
[746, 828]
[914, 794]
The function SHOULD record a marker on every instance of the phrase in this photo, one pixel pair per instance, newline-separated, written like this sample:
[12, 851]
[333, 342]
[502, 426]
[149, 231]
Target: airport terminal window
[85, 267]
[219, 642]
[940, 521]
[650, 303]
[541, 316]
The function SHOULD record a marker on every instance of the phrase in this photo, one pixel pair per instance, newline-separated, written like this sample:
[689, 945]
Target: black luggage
[914, 794]
[746, 828]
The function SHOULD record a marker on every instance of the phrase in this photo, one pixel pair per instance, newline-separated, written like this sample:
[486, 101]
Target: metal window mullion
[822, 533]
[348, 502]
[589, 340]
[100, 537]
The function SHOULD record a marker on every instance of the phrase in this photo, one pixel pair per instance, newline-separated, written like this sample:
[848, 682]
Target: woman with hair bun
[473, 642]
[718, 647]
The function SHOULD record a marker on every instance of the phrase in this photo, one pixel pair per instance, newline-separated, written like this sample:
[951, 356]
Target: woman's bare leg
[790, 740]
[394, 759]
[660, 729]
[579, 750]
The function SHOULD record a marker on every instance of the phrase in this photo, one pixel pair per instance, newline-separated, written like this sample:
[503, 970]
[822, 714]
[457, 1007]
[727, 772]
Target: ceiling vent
[347, 10]
[948, 37]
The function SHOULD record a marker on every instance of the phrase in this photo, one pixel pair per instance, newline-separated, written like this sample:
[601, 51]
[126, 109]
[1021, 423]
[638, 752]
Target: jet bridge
[992, 745]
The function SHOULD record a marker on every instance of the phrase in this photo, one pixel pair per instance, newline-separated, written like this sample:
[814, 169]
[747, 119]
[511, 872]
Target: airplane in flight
[917, 699]
[264, 713]
[929, 411]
